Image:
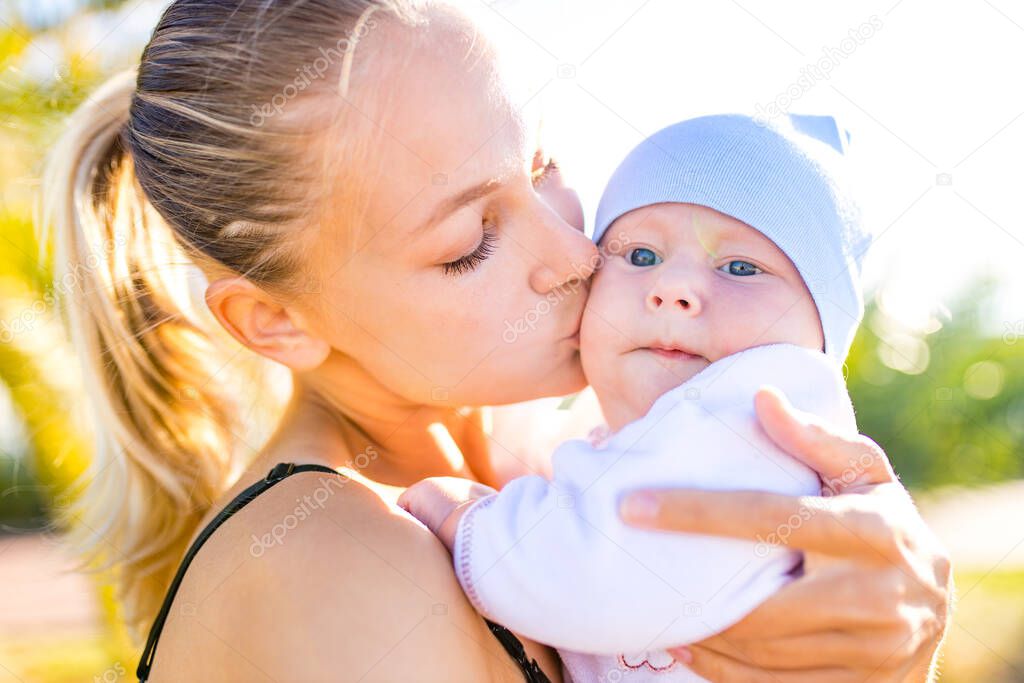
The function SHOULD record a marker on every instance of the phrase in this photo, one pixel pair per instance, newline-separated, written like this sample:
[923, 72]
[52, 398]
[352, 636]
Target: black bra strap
[531, 669]
[277, 474]
[280, 471]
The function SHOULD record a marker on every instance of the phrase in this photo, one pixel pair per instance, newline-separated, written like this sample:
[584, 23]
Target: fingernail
[774, 391]
[683, 654]
[639, 507]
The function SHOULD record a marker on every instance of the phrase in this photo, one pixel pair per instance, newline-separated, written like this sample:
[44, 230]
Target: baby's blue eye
[741, 268]
[642, 256]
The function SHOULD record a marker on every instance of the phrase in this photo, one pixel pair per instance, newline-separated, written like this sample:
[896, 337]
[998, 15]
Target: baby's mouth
[671, 349]
[672, 354]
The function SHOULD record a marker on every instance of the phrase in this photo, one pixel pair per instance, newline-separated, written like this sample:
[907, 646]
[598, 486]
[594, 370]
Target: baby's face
[692, 281]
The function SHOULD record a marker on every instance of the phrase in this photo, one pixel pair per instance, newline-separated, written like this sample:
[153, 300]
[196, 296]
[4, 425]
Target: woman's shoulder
[324, 577]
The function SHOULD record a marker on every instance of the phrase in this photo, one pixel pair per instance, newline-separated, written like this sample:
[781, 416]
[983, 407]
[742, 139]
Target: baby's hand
[439, 502]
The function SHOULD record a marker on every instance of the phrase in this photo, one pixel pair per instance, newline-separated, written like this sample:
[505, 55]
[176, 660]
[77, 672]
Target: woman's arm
[875, 593]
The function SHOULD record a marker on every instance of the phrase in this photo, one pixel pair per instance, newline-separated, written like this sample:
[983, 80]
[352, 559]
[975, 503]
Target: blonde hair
[192, 159]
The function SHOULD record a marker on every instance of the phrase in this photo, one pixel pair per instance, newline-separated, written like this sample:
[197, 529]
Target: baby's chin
[666, 372]
[658, 384]
[640, 380]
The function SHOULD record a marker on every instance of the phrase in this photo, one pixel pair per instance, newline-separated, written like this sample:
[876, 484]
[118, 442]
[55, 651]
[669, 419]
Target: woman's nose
[674, 292]
[565, 256]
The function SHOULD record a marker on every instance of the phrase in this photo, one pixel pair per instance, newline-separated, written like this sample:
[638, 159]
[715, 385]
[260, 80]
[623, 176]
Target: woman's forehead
[449, 109]
[444, 123]
[433, 119]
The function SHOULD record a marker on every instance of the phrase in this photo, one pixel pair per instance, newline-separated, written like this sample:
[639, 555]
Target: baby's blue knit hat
[784, 178]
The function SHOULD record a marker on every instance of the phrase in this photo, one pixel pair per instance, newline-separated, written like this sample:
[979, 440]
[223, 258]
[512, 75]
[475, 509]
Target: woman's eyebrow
[457, 201]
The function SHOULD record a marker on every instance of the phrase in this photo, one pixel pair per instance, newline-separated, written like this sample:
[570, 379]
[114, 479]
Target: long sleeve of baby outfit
[552, 559]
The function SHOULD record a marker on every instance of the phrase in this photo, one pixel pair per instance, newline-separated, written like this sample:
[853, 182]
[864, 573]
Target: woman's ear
[264, 325]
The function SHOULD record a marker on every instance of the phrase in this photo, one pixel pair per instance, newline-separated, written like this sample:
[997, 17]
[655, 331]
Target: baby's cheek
[613, 298]
[774, 319]
[600, 345]
[593, 351]
[729, 326]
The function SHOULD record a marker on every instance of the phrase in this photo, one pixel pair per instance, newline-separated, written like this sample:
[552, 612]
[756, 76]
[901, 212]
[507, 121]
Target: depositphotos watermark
[112, 674]
[528, 322]
[1014, 331]
[309, 73]
[308, 504]
[831, 487]
[820, 70]
[71, 280]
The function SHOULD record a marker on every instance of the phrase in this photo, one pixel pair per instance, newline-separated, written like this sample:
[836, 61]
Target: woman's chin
[565, 379]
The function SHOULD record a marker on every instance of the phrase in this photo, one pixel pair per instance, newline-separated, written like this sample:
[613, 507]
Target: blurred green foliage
[21, 501]
[947, 404]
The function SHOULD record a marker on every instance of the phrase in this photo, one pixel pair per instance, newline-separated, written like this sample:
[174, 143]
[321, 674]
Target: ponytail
[164, 174]
[162, 446]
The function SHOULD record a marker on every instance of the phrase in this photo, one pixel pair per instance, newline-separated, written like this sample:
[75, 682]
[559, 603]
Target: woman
[355, 185]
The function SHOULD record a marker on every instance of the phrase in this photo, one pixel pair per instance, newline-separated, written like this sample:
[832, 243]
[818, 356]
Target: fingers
[422, 501]
[839, 596]
[813, 651]
[871, 633]
[854, 655]
[877, 621]
[433, 500]
[722, 668]
[877, 654]
[841, 461]
[850, 525]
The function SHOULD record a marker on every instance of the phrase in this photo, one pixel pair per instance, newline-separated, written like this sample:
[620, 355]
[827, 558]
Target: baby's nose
[677, 295]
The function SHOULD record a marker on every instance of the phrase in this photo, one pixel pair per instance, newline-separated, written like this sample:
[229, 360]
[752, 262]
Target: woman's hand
[874, 596]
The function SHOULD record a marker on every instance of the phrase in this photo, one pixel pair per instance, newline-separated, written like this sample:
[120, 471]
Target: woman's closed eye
[741, 268]
[489, 237]
[470, 261]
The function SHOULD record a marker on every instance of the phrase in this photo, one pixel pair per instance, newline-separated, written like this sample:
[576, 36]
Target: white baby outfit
[553, 561]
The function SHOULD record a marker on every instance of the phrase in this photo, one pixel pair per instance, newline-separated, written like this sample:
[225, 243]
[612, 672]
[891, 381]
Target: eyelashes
[479, 255]
[489, 238]
[742, 271]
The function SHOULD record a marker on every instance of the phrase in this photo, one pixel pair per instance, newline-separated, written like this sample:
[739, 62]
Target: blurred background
[929, 93]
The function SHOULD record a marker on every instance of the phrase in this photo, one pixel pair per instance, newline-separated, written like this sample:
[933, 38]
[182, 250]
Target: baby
[732, 253]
